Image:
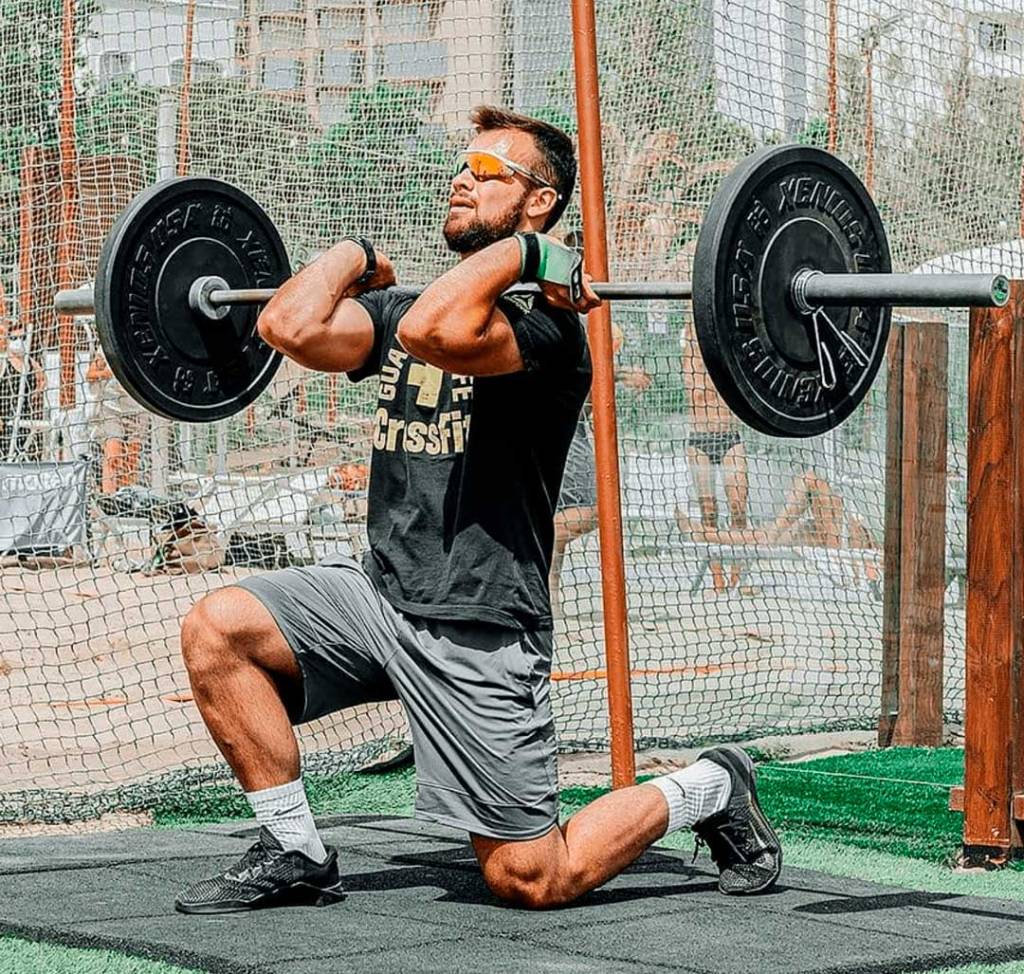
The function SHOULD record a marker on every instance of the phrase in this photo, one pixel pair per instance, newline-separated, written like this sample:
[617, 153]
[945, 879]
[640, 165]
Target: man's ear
[543, 202]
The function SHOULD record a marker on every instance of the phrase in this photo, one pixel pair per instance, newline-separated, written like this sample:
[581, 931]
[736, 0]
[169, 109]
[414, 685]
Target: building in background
[144, 39]
[321, 52]
[771, 58]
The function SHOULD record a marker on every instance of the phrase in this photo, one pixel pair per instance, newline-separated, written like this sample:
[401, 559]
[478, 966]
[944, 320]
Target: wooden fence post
[993, 794]
[913, 611]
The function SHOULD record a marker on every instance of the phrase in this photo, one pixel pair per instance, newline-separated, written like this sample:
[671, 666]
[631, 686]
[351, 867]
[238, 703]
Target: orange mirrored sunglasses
[486, 165]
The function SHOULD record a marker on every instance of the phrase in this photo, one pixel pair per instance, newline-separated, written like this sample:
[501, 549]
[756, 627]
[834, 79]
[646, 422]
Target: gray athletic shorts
[476, 695]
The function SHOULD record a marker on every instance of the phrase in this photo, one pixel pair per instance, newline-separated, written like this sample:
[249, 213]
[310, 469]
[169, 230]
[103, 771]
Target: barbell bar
[792, 293]
[810, 289]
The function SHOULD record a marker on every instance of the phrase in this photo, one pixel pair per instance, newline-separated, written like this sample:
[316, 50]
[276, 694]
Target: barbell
[792, 294]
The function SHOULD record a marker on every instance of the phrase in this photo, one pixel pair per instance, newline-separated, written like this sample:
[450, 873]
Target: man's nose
[463, 179]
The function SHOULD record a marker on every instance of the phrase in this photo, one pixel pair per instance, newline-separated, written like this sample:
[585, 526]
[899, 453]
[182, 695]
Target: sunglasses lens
[484, 166]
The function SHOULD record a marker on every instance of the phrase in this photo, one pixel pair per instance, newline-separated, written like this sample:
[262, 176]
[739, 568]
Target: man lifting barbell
[450, 611]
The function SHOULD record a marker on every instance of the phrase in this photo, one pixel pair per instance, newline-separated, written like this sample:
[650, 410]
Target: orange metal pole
[5, 321]
[332, 400]
[833, 76]
[26, 239]
[186, 84]
[68, 208]
[599, 326]
[869, 121]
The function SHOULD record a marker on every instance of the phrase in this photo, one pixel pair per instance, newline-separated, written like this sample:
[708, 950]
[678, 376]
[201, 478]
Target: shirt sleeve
[548, 339]
[385, 308]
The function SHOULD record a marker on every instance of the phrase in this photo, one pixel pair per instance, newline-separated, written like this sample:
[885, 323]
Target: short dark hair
[556, 160]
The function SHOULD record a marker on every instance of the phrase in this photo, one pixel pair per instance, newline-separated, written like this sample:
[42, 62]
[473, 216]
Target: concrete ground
[416, 903]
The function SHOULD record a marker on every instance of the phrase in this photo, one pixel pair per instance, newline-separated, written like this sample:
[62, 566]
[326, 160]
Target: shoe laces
[252, 863]
[728, 843]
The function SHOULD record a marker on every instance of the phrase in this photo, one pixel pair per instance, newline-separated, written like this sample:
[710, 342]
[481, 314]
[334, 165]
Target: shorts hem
[474, 828]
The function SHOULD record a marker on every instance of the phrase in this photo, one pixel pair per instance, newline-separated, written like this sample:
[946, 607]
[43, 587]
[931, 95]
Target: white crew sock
[285, 811]
[694, 793]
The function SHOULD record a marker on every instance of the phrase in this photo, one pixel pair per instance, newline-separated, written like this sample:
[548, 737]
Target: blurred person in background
[714, 449]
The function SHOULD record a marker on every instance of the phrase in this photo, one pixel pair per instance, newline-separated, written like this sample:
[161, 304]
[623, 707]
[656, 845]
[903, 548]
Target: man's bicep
[353, 335]
[496, 352]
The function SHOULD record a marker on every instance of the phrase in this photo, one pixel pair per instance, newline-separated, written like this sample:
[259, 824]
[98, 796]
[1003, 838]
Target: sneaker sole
[300, 894]
[741, 756]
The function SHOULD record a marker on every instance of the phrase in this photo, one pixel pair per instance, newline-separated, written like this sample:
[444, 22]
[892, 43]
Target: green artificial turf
[894, 801]
[392, 793]
[1011, 967]
[29, 957]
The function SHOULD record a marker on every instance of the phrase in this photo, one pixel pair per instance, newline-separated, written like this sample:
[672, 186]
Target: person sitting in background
[814, 515]
[22, 382]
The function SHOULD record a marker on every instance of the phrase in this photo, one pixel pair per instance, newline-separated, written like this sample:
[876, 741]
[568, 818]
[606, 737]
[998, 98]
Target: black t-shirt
[460, 514]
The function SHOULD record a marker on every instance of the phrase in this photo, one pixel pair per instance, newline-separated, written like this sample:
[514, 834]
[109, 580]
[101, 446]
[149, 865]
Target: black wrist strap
[531, 256]
[371, 259]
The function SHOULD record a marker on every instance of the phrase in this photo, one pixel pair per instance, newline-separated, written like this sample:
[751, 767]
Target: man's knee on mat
[526, 873]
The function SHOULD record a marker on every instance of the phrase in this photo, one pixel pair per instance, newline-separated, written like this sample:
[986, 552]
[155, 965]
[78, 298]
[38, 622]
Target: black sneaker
[741, 840]
[266, 876]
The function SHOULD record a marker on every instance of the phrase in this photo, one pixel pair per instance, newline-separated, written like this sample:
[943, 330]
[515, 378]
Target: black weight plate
[173, 360]
[782, 210]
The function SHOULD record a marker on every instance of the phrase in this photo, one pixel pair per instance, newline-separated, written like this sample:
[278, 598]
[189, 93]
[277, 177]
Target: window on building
[282, 39]
[1000, 34]
[993, 35]
[342, 36]
[409, 51]
[202, 70]
[114, 67]
[281, 73]
[346, 44]
[334, 107]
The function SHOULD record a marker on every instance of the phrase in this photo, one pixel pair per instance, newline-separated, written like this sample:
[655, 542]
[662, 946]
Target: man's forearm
[460, 303]
[312, 295]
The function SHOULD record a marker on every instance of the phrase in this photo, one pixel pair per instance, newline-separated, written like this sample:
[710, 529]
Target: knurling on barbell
[792, 294]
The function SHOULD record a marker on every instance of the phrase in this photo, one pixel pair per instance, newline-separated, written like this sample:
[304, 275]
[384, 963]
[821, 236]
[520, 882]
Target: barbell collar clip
[200, 294]
[79, 301]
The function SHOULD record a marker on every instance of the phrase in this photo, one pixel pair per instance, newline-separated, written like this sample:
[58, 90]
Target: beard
[476, 234]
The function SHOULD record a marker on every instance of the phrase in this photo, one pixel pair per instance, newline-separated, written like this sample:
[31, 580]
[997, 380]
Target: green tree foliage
[383, 173]
[257, 141]
[665, 143]
[120, 120]
[31, 41]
